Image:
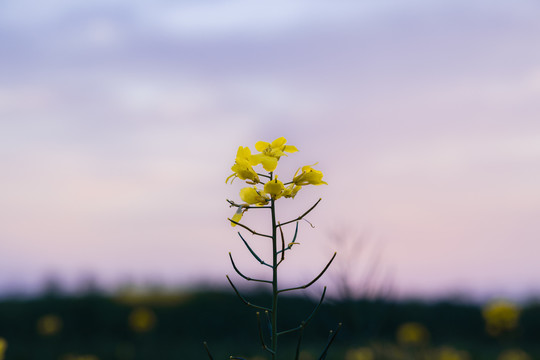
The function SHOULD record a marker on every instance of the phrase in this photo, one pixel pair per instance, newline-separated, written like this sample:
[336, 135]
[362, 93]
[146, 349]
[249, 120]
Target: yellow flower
[291, 190]
[362, 353]
[514, 354]
[253, 196]
[412, 333]
[3, 347]
[308, 176]
[142, 319]
[500, 316]
[306, 355]
[448, 353]
[238, 215]
[274, 188]
[242, 167]
[271, 152]
[48, 325]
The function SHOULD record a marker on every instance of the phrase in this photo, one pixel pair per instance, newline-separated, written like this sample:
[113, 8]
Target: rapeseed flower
[49, 325]
[253, 196]
[306, 355]
[3, 347]
[363, 353]
[274, 188]
[291, 190]
[243, 167]
[448, 353]
[238, 215]
[271, 152]
[142, 320]
[412, 333]
[262, 195]
[514, 354]
[308, 176]
[500, 316]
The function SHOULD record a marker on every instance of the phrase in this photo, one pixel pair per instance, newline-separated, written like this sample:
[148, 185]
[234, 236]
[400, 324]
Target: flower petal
[279, 142]
[269, 163]
[261, 145]
[256, 159]
[274, 188]
[237, 216]
[290, 149]
[308, 167]
[252, 196]
[243, 152]
[248, 195]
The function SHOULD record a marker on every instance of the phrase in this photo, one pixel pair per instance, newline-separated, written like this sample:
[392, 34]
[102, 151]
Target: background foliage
[99, 326]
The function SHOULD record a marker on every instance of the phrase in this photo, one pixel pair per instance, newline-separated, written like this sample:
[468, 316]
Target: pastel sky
[120, 120]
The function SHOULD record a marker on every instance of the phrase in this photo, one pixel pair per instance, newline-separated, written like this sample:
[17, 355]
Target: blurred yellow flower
[242, 167]
[271, 152]
[362, 353]
[3, 347]
[514, 354]
[448, 353]
[306, 355]
[309, 176]
[48, 325]
[252, 196]
[500, 316]
[142, 319]
[274, 188]
[412, 333]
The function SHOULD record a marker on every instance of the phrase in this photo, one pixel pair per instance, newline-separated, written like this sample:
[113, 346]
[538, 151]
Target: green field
[174, 326]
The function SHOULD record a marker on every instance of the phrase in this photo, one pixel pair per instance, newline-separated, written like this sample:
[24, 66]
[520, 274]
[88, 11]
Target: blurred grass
[174, 325]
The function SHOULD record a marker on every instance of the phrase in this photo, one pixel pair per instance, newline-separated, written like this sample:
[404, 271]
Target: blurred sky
[120, 120]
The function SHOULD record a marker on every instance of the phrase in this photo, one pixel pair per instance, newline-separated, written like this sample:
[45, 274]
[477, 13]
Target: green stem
[274, 278]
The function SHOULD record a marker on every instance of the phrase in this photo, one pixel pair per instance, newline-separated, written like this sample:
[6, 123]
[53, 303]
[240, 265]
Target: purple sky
[120, 120]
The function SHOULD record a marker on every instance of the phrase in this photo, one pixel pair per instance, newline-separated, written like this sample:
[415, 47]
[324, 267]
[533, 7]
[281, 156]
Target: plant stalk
[274, 278]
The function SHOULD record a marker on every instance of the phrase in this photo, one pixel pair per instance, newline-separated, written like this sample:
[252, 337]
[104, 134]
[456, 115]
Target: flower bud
[253, 196]
[274, 188]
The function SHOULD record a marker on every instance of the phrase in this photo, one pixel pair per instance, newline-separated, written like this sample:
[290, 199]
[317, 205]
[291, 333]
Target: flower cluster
[261, 193]
[500, 316]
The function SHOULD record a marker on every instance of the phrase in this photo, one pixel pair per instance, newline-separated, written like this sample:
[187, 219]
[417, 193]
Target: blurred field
[173, 326]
